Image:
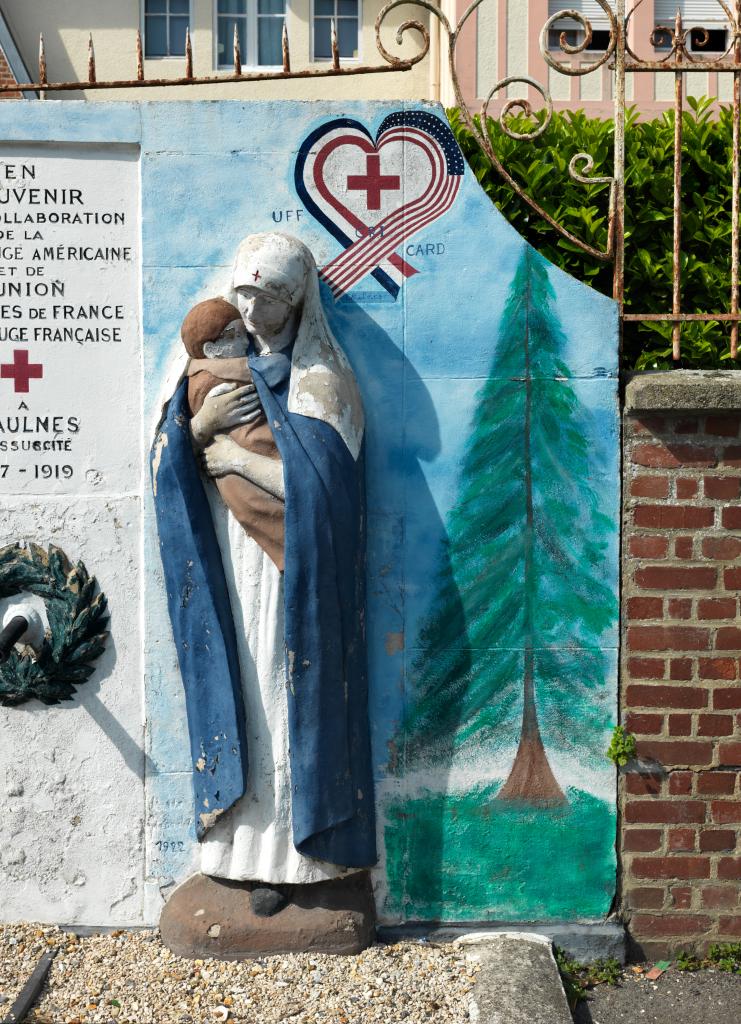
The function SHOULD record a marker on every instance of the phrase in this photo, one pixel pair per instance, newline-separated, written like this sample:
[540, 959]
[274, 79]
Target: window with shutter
[259, 25]
[692, 11]
[346, 16]
[589, 8]
[165, 25]
[574, 34]
[696, 15]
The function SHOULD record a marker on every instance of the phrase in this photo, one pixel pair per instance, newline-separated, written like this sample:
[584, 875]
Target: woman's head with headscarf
[270, 276]
[276, 282]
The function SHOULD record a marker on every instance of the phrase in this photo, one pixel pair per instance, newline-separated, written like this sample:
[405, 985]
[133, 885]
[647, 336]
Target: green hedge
[542, 167]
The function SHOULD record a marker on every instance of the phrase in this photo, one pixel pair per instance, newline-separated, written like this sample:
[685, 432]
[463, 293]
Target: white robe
[253, 840]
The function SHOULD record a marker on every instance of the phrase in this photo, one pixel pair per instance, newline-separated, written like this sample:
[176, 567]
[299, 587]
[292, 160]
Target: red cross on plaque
[373, 182]
[21, 371]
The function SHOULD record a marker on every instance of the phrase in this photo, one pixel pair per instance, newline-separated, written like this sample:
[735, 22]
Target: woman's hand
[226, 406]
[223, 455]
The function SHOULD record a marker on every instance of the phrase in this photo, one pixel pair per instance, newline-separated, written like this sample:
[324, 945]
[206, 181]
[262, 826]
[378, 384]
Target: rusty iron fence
[619, 57]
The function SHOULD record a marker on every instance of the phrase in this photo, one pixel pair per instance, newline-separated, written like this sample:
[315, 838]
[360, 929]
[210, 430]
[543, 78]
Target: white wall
[71, 775]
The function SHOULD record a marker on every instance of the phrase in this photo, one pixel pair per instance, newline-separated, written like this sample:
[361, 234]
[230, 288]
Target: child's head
[214, 329]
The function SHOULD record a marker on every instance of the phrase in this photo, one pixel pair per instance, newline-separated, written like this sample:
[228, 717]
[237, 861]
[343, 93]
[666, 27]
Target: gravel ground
[706, 997]
[131, 978]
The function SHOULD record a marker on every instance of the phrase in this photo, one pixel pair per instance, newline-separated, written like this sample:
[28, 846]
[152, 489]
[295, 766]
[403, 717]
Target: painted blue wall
[214, 172]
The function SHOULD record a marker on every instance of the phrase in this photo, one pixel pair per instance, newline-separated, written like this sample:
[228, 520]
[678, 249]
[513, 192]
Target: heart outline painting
[373, 195]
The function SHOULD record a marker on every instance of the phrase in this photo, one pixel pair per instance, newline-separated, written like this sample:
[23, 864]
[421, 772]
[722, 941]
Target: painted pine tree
[525, 560]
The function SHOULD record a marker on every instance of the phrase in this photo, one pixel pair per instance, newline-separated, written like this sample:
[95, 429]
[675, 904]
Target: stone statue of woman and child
[258, 478]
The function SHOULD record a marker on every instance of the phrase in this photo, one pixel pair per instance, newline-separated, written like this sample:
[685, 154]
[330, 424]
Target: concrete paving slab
[519, 981]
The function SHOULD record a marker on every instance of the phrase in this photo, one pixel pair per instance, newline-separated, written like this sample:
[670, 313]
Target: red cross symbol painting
[20, 371]
[373, 182]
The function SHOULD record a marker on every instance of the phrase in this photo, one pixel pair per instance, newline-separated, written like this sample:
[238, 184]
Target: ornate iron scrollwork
[521, 105]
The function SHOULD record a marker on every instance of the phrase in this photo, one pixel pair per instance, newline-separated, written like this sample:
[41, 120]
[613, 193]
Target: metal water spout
[21, 624]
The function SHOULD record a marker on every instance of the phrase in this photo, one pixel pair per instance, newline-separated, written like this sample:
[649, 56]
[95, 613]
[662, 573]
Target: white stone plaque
[70, 345]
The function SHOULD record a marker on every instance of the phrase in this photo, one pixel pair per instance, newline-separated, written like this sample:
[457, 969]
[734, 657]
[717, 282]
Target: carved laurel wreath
[77, 624]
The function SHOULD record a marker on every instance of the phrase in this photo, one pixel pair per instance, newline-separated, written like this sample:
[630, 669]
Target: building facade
[501, 39]
[66, 28]
[506, 40]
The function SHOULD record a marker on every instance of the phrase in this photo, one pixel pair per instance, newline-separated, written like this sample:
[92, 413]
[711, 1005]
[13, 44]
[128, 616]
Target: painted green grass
[468, 857]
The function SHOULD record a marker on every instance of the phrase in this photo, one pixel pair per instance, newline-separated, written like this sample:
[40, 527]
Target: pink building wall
[651, 93]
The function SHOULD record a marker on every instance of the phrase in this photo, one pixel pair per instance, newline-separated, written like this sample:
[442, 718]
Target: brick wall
[7, 78]
[681, 695]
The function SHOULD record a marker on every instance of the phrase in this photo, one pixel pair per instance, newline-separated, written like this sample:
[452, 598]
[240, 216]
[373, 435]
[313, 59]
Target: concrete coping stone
[482, 938]
[582, 940]
[684, 391]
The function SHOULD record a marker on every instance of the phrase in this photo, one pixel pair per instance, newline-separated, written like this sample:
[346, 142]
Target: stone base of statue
[215, 917]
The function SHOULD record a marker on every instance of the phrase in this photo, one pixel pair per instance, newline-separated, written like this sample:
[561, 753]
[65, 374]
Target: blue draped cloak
[324, 589]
